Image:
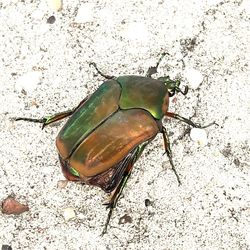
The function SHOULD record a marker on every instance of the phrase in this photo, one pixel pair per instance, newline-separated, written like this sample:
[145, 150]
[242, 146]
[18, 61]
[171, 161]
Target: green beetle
[108, 131]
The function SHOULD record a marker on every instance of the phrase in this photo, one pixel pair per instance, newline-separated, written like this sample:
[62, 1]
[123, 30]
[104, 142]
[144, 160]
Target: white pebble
[136, 31]
[55, 4]
[28, 82]
[62, 184]
[194, 78]
[199, 136]
[69, 213]
[85, 13]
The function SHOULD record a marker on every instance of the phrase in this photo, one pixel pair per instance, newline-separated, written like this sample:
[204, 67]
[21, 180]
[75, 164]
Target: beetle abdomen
[145, 93]
[109, 143]
[91, 114]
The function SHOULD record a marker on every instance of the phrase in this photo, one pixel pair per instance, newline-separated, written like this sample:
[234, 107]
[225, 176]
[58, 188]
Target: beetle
[108, 131]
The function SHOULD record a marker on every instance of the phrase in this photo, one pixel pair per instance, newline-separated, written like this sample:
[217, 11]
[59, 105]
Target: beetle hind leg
[128, 163]
[111, 204]
[169, 153]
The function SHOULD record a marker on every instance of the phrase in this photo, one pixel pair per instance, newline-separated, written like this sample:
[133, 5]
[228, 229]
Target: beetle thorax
[165, 104]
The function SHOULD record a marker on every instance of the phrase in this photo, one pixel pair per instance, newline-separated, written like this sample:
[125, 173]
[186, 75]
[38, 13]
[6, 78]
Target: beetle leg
[99, 72]
[153, 70]
[46, 120]
[169, 152]
[129, 162]
[116, 194]
[53, 118]
[189, 122]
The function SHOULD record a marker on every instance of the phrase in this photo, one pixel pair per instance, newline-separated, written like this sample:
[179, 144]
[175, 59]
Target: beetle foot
[206, 126]
[153, 70]
[108, 204]
[100, 73]
[42, 120]
[177, 176]
[45, 120]
[198, 125]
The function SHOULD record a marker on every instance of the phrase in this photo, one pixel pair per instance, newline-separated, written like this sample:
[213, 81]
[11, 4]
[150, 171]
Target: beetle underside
[107, 180]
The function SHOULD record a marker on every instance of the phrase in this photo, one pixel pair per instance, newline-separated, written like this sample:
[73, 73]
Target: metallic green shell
[119, 116]
[101, 104]
[110, 142]
[143, 92]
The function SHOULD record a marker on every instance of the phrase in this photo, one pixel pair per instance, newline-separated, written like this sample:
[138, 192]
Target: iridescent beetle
[108, 131]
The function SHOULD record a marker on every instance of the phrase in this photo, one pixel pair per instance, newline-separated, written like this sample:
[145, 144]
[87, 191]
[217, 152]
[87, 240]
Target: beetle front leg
[169, 152]
[188, 121]
[153, 70]
[52, 118]
[100, 73]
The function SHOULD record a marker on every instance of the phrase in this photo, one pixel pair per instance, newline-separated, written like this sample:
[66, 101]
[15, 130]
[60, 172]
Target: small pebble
[28, 82]
[125, 219]
[55, 4]
[51, 19]
[85, 13]
[69, 213]
[194, 78]
[62, 184]
[199, 136]
[11, 206]
[147, 202]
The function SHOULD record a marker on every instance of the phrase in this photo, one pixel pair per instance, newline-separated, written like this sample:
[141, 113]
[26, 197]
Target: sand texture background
[44, 69]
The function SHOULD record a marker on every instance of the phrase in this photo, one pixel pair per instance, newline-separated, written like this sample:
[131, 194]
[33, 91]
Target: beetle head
[173, 85]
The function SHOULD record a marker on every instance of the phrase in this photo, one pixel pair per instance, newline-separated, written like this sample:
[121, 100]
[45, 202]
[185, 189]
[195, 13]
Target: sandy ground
[44, 69]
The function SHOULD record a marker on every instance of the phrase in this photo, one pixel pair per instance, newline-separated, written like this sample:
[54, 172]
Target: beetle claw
[107, 203]
[151, 71]
[99, 72]
[206, 126]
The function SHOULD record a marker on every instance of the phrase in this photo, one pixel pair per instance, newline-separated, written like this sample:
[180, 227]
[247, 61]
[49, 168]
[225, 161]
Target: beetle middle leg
[169, 152]
[188, 121]
[52, 118]
[153, 70]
